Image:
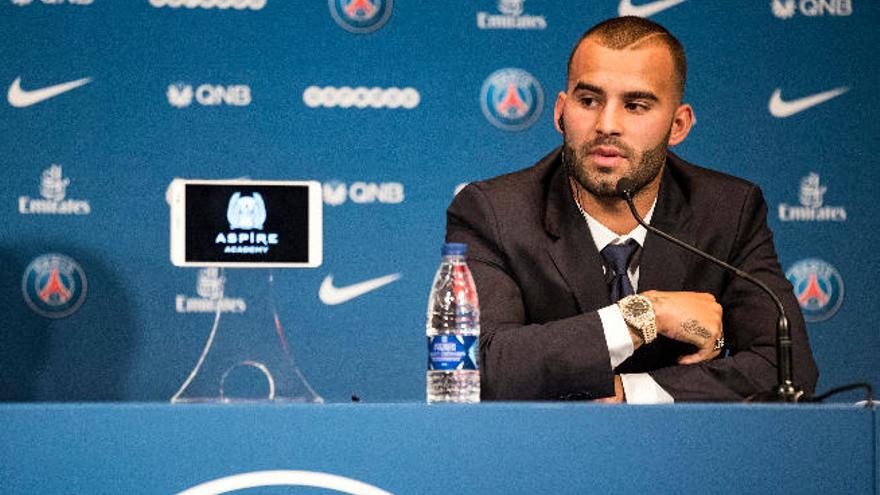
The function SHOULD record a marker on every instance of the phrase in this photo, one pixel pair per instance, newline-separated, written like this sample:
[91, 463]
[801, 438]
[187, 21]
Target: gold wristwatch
[638, 313]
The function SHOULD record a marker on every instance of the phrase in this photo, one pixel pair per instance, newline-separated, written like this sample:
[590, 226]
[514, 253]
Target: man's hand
[691, 317]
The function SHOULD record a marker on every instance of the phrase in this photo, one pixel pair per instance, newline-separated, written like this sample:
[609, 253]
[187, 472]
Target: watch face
[637, 306]
[639, 316]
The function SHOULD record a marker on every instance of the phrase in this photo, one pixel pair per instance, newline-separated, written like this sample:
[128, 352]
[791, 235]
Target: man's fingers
[691, 358]
[698, 357]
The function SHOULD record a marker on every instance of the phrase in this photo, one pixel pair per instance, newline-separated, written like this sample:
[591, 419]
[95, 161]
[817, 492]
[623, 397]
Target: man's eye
[636, 107]
[588, 102]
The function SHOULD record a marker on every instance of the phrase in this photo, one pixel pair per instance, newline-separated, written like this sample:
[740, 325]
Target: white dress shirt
[639, 388]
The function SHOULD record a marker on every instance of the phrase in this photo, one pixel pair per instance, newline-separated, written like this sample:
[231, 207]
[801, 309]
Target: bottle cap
[454, 249]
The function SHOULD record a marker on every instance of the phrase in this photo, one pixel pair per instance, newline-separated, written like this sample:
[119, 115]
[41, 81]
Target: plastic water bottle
[453, 330]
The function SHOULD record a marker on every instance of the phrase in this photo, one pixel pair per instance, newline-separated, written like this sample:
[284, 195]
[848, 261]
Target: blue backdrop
[391, 106]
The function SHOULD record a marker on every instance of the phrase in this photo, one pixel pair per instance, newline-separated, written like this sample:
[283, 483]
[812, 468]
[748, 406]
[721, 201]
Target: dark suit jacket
[540, 282]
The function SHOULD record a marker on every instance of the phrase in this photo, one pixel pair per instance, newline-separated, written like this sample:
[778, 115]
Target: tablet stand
[248, 357]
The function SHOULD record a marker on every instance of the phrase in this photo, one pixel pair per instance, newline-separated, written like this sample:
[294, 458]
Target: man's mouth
[607, 156]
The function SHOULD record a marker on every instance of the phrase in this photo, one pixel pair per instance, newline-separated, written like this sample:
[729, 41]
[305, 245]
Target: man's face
[616, 115]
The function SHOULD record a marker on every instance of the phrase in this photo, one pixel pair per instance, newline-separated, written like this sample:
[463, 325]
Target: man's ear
[558, 112]
[682, 121]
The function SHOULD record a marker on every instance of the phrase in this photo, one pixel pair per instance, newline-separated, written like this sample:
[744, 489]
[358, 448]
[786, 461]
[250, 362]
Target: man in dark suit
[579, 301]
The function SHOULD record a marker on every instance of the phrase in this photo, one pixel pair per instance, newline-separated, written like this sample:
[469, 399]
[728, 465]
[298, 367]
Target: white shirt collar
[604, 236]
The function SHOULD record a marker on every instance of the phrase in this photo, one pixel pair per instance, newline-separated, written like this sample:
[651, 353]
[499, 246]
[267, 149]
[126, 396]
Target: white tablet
[246, 224]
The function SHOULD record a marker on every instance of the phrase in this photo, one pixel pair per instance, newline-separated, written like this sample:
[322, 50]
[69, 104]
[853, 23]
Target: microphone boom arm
[785, 391]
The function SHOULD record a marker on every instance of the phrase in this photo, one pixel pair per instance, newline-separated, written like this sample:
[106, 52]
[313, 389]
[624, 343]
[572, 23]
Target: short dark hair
[623, 32]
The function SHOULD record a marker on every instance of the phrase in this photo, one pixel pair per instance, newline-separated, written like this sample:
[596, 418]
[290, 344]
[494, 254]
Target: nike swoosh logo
[331, 295]
[781, 109]
[645, 10]
[20, 98]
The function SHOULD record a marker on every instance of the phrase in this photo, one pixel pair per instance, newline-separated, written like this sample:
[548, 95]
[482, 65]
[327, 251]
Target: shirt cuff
[640, 388]
[617, 337]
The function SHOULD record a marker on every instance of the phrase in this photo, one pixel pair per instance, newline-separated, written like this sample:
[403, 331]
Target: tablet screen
[249, 223]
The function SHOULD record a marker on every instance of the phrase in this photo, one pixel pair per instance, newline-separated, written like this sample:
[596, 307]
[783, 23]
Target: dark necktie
[617, 258]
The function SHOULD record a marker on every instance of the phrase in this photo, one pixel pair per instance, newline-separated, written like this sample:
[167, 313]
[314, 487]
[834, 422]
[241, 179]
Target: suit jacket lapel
[571, 246]
[664, 265]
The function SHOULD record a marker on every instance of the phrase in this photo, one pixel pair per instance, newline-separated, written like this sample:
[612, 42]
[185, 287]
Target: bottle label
[453, 352]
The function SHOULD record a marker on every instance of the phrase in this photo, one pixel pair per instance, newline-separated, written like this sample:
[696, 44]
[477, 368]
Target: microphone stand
[786, 390]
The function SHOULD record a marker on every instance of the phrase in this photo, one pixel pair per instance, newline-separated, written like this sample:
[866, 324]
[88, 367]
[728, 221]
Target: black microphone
[786, 390]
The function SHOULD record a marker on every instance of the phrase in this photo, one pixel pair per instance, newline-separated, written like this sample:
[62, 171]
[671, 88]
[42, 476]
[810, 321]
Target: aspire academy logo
[246, 216]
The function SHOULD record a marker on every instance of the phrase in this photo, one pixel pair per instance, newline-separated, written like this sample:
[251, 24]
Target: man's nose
[609, 121]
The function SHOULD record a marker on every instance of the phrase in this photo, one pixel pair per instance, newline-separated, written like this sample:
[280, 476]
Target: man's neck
[613, 212]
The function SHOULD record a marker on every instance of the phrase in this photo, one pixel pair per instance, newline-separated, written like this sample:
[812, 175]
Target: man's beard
[603, 185]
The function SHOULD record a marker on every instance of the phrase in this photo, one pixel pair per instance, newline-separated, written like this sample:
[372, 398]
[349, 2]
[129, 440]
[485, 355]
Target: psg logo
[360, 16]
[512, 99]
[54, 285]
[818, 288]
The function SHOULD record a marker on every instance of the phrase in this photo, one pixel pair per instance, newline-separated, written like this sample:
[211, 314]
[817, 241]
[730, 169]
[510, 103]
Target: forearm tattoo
[693, 327]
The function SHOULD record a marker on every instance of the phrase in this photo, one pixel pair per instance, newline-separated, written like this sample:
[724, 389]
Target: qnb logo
[511, 99]
[54, 285]
[361, 97]
[511, 17]
[181, 95]
[818, 287]
[360, 16]
[248, 214]
[22, 3]
[209, 286]
[210, 4]
[336, 192]
[786, 9]
[53, 187]
[811, 208]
